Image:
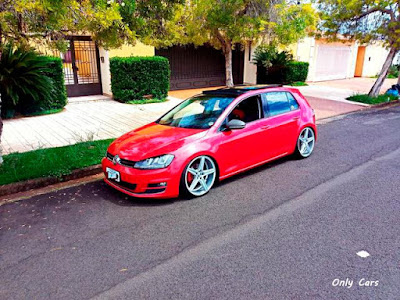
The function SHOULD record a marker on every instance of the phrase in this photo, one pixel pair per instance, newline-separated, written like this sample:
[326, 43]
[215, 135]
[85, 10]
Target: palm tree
[22, 76]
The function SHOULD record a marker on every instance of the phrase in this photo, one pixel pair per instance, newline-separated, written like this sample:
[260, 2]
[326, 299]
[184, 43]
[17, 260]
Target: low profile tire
[198, 177]
[305, 143]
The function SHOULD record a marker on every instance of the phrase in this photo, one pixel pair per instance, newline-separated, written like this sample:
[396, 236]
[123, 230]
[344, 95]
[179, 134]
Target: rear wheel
[199, 176]
[305, 143]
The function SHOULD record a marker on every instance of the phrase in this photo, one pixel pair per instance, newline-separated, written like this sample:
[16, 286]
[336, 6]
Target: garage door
[332, 62]
[197, 67]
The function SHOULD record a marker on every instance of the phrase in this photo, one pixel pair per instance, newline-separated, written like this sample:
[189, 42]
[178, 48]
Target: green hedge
[133, 77]
[292, 72]
[296, 71]
[57, 99]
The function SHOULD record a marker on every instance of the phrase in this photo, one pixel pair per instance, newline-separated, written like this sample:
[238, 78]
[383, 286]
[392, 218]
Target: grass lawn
[298, 83]
[145, 101]
[52, 161]
[364, 98]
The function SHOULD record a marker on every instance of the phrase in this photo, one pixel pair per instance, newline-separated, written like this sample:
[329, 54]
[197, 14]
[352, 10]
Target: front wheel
[305, 143]
[199, 176]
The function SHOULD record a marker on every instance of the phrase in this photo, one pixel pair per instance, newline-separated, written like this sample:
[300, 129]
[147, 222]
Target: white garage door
[332, 62]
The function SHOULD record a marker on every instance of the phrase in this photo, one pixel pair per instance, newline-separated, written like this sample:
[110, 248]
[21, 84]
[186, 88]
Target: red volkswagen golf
[210, 137]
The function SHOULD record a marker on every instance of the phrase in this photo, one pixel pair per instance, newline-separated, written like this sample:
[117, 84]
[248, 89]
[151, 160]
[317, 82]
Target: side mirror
[235, 124]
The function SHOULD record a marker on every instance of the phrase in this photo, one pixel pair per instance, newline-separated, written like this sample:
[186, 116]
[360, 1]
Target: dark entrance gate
[82, 67]
[203, 66]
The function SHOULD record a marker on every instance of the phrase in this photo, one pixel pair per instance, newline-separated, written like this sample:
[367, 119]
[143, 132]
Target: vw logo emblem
[116, 160]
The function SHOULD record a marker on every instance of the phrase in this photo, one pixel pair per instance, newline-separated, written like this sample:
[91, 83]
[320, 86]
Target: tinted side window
[292, 101]
[247, 111]
[277, 103]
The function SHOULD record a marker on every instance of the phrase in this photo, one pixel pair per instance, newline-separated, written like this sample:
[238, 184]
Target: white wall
[375, 56]
[105, 71]
[353, 60]
[396, 60]
[250, 69]
[306, 51]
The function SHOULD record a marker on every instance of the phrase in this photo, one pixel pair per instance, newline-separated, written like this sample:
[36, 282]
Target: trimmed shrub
[296, 71]
[57, 99]
[133, 77]
[293, 71]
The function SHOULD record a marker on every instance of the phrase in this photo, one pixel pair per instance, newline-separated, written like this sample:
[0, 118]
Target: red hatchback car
[210, 137]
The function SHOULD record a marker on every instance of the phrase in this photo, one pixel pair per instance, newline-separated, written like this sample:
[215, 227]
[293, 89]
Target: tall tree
[227, 23]
[110, 22]
[365, 21]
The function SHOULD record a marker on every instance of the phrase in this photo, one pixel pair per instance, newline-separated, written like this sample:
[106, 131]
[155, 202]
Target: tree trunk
[228, 64]
[1, 120]
[1, 131]
[382, 75]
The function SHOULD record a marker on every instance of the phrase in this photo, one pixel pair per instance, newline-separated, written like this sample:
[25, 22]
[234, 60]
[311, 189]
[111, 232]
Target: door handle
[265, 127]
[296, 118]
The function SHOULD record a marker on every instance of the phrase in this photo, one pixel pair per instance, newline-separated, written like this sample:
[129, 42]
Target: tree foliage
[110, 22]
[365, 21]
[226, 24]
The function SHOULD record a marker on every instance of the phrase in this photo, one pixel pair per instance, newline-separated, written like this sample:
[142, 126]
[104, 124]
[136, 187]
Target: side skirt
[252, 166]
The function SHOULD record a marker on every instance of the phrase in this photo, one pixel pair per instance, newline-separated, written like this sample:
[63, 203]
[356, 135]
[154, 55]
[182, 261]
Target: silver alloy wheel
[200, 175]
[306, 142]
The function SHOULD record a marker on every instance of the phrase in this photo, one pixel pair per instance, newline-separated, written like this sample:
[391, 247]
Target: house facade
[87, 67]
[329, 61]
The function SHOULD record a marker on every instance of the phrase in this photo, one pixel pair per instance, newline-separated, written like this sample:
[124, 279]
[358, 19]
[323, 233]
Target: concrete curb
[384, 104]
[27, 185]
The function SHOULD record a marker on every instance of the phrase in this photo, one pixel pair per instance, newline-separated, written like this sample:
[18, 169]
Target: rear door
[282, 121]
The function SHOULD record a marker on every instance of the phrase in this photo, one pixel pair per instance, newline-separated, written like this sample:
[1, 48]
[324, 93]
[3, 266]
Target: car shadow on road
[258, 169]
[116, 197]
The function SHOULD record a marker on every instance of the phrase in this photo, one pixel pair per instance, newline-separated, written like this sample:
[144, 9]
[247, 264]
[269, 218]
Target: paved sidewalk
[357, 85]
[80, 121]
[99, 117]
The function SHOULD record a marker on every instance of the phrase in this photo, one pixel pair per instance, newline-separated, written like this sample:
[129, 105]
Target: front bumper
[144, 183]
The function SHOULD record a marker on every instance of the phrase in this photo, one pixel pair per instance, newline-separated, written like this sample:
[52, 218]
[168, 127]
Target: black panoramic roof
[239, 89]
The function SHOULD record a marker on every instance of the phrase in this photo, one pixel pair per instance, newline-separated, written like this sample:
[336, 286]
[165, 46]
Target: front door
[81, 67]
[241, 148]
[360, 61]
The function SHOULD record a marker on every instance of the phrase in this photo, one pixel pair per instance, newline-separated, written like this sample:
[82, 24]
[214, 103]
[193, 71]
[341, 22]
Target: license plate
[112, 174]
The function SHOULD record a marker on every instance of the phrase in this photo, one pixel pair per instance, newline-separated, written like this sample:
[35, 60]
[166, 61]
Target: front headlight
[157, 162]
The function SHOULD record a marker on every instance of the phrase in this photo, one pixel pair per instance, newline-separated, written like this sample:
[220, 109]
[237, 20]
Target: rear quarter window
[292, 101]
[277, 103]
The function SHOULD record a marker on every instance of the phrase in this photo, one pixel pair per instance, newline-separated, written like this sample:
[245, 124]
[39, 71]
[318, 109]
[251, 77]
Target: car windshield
[199, 112]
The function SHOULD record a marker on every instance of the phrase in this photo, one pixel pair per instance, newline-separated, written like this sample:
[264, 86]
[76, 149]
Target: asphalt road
[286, 230]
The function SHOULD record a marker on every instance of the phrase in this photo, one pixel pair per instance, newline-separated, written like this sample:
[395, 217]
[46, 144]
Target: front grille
[127, 163]
[122, 162]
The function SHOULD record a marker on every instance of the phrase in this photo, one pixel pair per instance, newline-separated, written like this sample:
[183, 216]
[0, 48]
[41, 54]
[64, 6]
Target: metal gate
[81, 67]
[202, 66]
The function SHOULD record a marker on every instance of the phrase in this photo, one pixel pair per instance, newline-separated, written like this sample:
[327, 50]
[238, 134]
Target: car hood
[153, 140]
